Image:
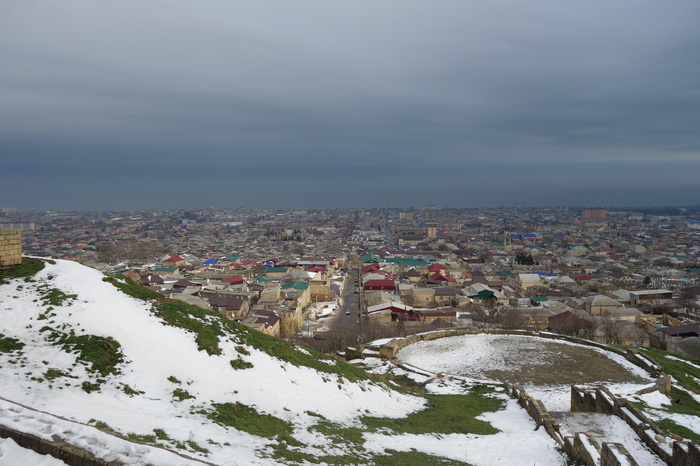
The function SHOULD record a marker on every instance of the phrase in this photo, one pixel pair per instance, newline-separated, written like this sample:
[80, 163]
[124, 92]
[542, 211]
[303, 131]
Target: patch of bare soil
[561, 364]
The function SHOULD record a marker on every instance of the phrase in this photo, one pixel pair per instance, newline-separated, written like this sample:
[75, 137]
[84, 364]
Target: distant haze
[316, 104]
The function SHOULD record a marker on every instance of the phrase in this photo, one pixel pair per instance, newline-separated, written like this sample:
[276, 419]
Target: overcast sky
[124, 104]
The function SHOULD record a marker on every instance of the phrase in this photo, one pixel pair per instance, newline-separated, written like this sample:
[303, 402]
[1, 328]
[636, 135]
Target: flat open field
[522, 360]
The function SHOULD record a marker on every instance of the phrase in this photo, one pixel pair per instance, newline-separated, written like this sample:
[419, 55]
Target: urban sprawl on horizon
[335, 277]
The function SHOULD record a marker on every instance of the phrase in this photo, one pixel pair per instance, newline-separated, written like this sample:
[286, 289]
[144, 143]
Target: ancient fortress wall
[581, 446]
[10, 247]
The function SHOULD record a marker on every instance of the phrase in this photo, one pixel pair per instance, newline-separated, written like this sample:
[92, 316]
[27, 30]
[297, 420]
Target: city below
[338, 277]
[379, 336]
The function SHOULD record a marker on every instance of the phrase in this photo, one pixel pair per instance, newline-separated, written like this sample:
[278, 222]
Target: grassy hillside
[682, 407]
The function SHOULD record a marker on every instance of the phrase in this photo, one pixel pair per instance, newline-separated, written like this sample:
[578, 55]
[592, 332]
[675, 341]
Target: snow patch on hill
[159, 359]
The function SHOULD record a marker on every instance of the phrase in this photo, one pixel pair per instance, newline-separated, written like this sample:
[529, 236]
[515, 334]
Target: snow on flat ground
[475, 356]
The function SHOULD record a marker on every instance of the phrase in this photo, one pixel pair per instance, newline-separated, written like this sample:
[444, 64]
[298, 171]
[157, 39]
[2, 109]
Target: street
[351, 300]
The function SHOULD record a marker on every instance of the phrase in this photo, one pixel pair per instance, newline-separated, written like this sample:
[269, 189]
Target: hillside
[97, 354]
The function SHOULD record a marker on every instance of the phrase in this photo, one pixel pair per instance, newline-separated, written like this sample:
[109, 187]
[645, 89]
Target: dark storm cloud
[369, 101]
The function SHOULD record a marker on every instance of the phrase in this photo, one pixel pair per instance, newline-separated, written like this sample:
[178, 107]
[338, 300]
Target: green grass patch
[130, 391]
[132, 288]
[687, 378]
[161, 434]
[682, 369]
[682, 402]
[8, 345]
[247, 419]
[102, 426]
[403, 383]
[28, 268]
[100, 354]
[281, 451]
[147, 438]
[341, 459]
[339, 433]
[686, 375]
[670, 426]
[444, 414]
[205, 324]
[194, 446]
[412, 458]
[181, 394]
[239, 363]
[52, 374]
[90, 387]
[56, 297]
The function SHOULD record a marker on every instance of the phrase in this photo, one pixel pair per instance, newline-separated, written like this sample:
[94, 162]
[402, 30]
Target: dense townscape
[351, 336]
[626, 276]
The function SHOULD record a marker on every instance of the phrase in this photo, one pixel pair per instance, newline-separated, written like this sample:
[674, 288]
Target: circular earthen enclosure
[520, 360]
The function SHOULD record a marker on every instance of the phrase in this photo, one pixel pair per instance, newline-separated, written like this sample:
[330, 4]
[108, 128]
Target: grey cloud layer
[354, 96]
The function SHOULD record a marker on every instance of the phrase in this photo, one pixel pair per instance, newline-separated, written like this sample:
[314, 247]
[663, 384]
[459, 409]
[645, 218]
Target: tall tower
[594, 215]
[432, 231]
[10, 247]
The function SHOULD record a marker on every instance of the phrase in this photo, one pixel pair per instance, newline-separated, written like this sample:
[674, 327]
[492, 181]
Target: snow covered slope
[144, 376]
[83, 355]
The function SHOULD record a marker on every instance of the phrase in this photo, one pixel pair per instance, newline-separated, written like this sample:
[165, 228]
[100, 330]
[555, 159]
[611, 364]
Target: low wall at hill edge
[57, 448]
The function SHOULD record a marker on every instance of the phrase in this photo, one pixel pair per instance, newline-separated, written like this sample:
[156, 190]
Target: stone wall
[614, 454]
[69, 454]
[10, 247]
[389, 350]
[585, 449]
[600, 400]
[290, 323]
[320, 290]
[581, 446]
[538, 413]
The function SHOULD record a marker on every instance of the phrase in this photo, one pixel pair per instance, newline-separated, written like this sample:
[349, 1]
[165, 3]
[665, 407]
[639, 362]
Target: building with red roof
[380, 285]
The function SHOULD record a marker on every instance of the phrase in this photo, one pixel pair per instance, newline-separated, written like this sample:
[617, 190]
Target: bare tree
[656, 306]
[480, 316]
[372, 330]
[636, 335]
[609, 330]
[109, 252]
[574, 326]
[510, 319]
[131, 252]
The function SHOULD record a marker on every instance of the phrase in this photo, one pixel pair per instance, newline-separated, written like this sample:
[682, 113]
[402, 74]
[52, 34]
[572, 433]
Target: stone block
[615, 454]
